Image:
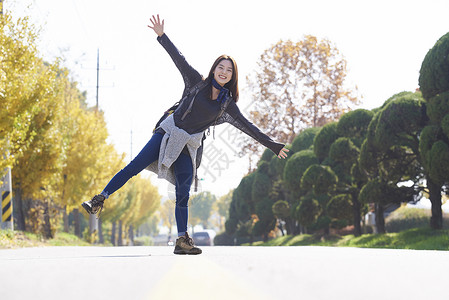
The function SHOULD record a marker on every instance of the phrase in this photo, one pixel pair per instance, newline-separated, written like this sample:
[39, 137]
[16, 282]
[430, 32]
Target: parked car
[204, 238]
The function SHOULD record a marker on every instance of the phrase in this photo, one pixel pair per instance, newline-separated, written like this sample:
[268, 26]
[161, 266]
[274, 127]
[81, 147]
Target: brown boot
[95, 205]
[185, 245]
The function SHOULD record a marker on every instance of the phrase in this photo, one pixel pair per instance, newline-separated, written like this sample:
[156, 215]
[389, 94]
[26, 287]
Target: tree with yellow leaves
[167, 213]
[144, 200]
[21, 87]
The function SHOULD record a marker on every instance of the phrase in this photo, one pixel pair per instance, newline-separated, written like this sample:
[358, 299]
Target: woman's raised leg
[146, 156]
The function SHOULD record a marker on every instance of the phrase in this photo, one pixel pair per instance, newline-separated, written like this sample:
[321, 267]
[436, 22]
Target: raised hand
[158, 27]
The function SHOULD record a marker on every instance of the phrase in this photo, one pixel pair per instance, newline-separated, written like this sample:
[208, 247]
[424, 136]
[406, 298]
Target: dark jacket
[231, 114]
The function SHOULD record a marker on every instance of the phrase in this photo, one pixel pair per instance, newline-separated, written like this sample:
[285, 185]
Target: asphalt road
[222, 273]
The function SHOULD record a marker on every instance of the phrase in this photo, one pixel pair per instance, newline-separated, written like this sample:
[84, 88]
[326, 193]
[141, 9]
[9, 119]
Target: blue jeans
[183, 172]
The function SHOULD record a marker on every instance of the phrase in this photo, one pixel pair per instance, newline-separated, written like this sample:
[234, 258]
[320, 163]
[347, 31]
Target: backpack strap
[194, 90]
[224, 106]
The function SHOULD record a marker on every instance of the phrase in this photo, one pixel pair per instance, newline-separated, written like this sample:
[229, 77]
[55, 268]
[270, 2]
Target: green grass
[19, 239]
[418, 238]
[67, 239]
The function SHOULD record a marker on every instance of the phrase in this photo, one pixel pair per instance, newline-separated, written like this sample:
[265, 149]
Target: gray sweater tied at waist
[172, 144]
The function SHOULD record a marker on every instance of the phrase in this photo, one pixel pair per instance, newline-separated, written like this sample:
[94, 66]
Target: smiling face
[223, 72]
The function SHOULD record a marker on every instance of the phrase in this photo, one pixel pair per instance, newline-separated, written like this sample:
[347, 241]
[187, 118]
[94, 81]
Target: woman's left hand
[283, 153]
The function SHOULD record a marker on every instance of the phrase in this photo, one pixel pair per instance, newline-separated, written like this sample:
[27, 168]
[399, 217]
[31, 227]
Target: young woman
[174, 151]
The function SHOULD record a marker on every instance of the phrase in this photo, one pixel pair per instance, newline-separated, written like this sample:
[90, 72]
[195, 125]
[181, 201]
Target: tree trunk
[113, 232]
[436, 220]
[100, 231]
[131, 235]
[356, 215]
[65, 218]
[93, 226]
[300, 229]
[77, 221]
[47, 225]
[380, 220]
[290, 225]
[18, 211]
[120, 230]
[265, 237]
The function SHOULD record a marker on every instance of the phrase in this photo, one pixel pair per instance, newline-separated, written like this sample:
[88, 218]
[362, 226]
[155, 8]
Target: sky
[383, 42]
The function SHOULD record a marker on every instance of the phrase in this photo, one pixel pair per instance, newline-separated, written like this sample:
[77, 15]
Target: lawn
[418, 238]
[19, 239]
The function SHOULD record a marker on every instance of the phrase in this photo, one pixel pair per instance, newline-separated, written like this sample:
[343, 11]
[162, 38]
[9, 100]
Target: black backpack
[195, 89]
[166, 114]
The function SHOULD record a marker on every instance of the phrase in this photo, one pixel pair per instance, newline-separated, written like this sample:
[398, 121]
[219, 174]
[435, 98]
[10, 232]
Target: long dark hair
[233, 84]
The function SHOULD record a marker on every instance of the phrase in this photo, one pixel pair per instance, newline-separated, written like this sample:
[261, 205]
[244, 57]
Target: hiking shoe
[95, 205]
[185, 245]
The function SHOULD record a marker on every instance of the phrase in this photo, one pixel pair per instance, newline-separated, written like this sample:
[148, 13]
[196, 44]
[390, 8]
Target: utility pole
[93, 221]
[97, 85]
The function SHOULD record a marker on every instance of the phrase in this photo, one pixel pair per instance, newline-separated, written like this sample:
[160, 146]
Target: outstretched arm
[234, 117]
[158, 26]
[188, 73]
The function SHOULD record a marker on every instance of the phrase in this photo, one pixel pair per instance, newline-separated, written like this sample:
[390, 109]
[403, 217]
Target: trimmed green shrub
[308, 210]
[304, 140]
[267, 155]
[406, 218]
[223, 239]
[295, 168]
[143, 241]
[434, 73]
[340, 207]
[354, 125]
[324, 139]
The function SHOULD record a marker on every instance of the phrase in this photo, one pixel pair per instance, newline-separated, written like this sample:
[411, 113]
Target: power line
[86, 33]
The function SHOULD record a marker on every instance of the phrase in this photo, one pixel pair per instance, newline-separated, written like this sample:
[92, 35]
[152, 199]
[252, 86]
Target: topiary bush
[267, 155]
[340, 207]
[438, 107]
[261, 186]
[295, 168]
[223, 239]
[304, 140]
[439, 158]
[434, 73]
[321, 179]
[354, 125]
[308, 210]
[324, 139]
[281, 209]
[231, 226]
[143, 241]
[406, 218]
[342, 149]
